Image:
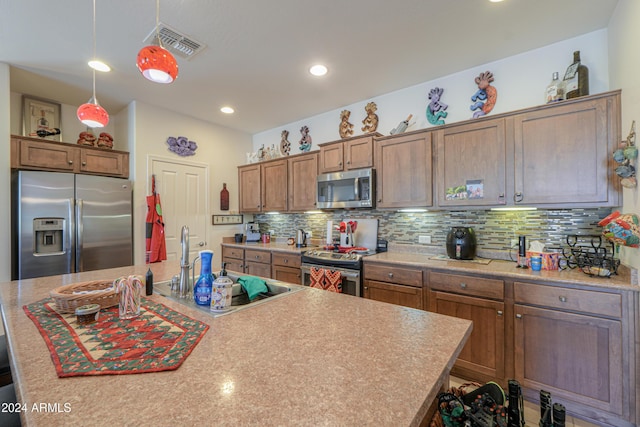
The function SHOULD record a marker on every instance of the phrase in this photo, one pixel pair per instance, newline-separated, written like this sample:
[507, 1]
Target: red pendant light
[92, 114]
[155, 62]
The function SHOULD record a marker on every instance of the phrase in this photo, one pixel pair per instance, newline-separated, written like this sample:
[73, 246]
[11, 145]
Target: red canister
[266, 238]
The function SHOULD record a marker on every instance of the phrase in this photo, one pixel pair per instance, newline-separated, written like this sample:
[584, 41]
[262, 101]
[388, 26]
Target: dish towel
[323, 278]
[253, 286]
[317, 277]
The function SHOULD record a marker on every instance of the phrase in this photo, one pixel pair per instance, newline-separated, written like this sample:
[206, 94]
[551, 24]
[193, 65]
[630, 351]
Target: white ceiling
[259, 51]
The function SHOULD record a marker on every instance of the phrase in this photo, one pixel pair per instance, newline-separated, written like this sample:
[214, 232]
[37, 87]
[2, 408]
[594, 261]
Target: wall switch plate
[514, 243]
[424, 239]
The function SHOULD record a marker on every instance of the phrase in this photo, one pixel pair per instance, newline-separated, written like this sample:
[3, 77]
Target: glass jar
[129, 290]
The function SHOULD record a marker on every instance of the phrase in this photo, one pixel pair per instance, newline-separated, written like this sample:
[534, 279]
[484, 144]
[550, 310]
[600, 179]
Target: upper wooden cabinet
[563, 155]
[550, 156]
[404, 171]
[34, 154]
[472, 157]
[303, 170]
[351, 153]
[263, 186]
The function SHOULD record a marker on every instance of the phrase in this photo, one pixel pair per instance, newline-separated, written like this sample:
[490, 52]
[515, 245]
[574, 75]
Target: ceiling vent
[175, 42]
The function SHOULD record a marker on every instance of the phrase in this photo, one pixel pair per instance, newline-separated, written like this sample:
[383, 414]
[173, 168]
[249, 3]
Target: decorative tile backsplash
[494, 229]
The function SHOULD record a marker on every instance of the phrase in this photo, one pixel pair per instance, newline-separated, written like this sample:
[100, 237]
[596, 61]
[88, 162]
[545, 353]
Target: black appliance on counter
[461, 243]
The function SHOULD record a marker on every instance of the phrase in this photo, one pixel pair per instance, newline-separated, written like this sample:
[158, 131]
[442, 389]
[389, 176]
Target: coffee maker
[253, 232]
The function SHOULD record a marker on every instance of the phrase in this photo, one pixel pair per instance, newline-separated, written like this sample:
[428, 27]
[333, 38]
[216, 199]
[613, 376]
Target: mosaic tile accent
[494, 229]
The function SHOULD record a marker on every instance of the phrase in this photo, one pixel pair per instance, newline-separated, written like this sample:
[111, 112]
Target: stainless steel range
[348, 263]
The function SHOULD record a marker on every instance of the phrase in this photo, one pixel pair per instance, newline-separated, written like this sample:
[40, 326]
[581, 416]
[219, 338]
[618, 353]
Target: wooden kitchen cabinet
[234, 258]
[257, 262]
[472, 156]
[263, 186]
[303, 170]
[404, 171]
[34, 154]
[347, 154]
[274, 185]
[393, 284]
[286, 267]
[250, 188]
[553, 325]
[563, 154]
[480, 300]
[554, 155]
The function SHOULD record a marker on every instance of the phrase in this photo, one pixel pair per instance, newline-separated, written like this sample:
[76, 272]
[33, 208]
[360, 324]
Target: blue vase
[202, 288]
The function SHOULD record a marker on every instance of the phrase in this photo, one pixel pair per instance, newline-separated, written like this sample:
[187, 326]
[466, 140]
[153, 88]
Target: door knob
[201, 244]
[518, 316]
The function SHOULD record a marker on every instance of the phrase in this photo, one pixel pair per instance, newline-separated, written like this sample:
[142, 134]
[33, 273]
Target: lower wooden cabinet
[575, 344]
[576, 341]
[408, 296]
[480, 300]
[482, 358]
[286, 267]
[394, 284]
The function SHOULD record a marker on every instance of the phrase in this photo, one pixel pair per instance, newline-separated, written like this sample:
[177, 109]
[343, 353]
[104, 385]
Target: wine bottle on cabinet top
[576, 79]
[555, 89]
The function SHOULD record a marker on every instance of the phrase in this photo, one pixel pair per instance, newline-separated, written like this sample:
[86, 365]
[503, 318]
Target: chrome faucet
[184, 289]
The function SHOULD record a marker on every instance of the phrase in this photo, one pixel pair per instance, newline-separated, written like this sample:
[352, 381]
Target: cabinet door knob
[366, 287]
[463, 285]
[518, 316]
[500, 313]
[70, 162]
[348, 162]
[84, 163]
[340, 164]
[286, 261]
[379, 200]
[562, 299]
[518, 197]
[390, 275]
[501, 196]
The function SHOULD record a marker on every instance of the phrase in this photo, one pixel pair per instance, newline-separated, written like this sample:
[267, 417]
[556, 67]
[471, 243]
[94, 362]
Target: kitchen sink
[240, 299]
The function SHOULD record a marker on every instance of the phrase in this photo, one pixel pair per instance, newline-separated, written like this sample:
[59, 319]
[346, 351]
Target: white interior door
[184, 194]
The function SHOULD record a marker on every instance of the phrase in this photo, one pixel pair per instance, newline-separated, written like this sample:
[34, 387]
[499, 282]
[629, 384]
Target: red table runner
[159, 339]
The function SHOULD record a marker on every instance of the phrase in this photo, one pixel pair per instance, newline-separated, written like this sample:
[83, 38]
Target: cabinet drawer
[393, 274]
[286, 260]
[234, 264]
[229, 252]
[263, 257]
[592, 302]
[467, 285]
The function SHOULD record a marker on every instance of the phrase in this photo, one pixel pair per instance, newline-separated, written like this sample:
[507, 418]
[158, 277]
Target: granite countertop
[310, 358]
[507, 270]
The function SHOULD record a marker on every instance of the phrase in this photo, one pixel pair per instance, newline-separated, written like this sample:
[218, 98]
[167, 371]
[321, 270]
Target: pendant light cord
[94, 52]
[158, 23]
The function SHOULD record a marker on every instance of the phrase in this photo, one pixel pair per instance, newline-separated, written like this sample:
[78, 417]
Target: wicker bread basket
[70, 297]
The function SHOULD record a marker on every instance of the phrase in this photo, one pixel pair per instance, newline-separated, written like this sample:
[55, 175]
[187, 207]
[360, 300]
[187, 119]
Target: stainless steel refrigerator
[66, 223]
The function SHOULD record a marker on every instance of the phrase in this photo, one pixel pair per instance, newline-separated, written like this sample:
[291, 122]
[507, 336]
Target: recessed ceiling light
[227, 110]
[99, 65]
[495, 1]
[318, 70]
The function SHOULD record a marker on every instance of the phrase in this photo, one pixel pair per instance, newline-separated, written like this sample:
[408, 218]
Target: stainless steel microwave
[349, 189]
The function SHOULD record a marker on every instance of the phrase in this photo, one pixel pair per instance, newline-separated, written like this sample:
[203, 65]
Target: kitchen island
[309, 358]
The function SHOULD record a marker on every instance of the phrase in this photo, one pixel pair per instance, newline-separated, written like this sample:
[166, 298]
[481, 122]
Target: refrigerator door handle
[79, 232]
[70, 246]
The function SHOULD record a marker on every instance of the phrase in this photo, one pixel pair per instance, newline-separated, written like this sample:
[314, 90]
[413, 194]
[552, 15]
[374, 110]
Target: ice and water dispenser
[49, 234]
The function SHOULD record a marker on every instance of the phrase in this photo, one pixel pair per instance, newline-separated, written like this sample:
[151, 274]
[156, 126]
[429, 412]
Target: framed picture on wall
[40, 118]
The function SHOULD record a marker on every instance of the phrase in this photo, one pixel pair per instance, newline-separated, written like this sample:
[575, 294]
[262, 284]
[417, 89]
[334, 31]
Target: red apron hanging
[155, 242]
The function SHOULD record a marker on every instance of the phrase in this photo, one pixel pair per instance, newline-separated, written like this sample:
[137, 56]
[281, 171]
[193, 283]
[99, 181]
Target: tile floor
[532, 411]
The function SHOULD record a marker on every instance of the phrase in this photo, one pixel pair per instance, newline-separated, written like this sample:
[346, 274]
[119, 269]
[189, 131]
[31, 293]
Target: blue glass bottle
[202, 288]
